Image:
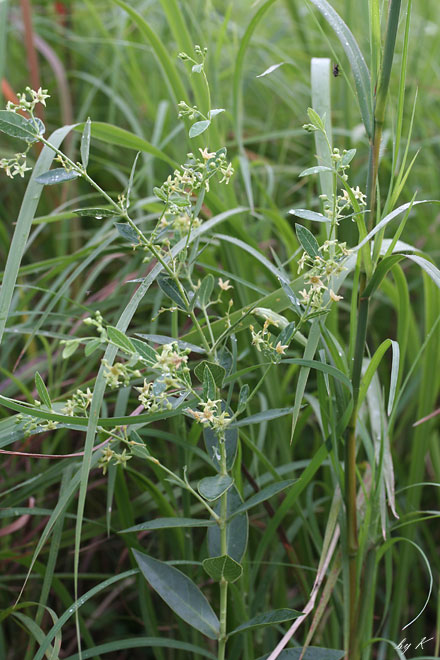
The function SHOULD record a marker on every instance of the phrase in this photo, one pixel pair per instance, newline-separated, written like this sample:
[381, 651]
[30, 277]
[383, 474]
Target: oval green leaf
[58, 175]
[212, 487]
[180, 593]
[198, 128]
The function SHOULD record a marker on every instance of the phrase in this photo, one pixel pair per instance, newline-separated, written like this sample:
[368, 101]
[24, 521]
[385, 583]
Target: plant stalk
[224, 551]
[380, 106]
[350, 477]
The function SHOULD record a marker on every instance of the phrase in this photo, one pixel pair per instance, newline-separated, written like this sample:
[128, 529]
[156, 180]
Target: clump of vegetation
[228, 413]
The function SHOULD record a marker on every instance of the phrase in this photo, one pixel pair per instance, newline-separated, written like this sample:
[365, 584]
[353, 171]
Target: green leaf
[131, 179]
[118, 338]
[316, 121]
[198, 128]
[348, 157]
[126, 231]
[307, 240]
[263, 416]
[236, 529]
[160, 194]
[218, 372]
[168, 523]
[42, 390]
[356, 59]
[316, 169]
[264, 494]
[311, 653]
[97, 213]
[243, 397]
[179, 593]
[209, 387]
[70, 349]
[286, 334]
[309, 215]
[267, 619]
[394, 374]
[145, 352]
[269, 70]
[91, 346]
[213, 113]
[223, 567]
[85, 143]
[432, 271]
[205, 291]
[170, 289]
[17, 126]
[210, 488]
[57, 175]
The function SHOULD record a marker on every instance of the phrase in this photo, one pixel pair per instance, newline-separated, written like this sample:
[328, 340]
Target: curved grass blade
[356, 59]
[24, 223]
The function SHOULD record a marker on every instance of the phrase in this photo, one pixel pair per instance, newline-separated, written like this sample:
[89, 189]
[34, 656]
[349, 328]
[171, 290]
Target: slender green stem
[350, 478]
[224, 551]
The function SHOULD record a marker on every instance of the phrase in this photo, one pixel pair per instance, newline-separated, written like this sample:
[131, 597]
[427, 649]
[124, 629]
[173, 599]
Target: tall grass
[334, 552]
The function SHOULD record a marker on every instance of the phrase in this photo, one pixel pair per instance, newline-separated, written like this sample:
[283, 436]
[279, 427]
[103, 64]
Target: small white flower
[224, 285]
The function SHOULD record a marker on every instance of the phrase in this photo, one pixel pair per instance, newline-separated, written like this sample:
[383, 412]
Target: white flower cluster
[28, 100]
[15, 166]
[78, 403]
[321, 270]
[211, 415]
[262, 340]
[119, 373]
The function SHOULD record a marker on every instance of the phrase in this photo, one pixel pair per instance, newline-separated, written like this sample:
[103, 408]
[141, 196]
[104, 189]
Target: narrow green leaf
[263, 495]
[168, 523]
[243, 397]
[218, 372]
[180, 594]
[198, 128]
[57, 175]
[16, 125]
[316, 120]
[311, 653]
[223, 567]
[130, 180]
[395, 364]
[126, 231]
[91, 347]
[145, 352]
[316, 169]
[97, 213]
[267, 619]
[211, 488]
[432, 271]
[307, 240]
[309, 215]
[141, 643]
[42, 390]
[120, 340]
[85, 143]
[269, 70]
[205, 291]
[170, 289]
[263, 416]
[214, 112]
[209, 387]
[70, 349]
